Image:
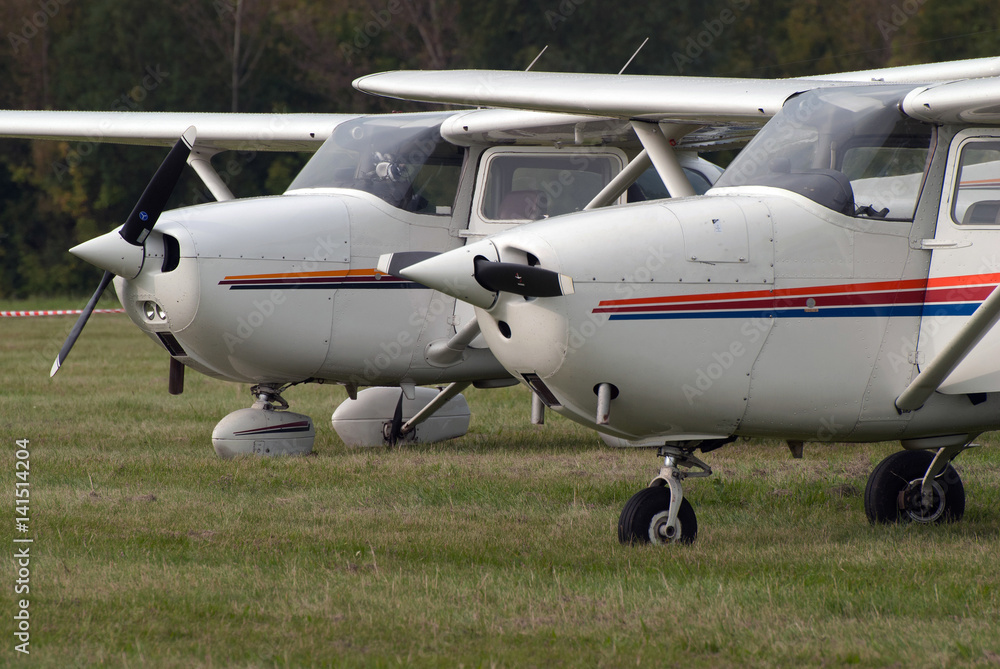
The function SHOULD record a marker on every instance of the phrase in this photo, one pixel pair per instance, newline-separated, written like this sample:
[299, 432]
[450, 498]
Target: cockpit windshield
[399, 158]
[849, 149]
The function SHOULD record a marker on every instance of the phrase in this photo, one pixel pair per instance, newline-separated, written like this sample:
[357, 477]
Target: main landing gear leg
[660, 514]
[268, 398]
[917, 486]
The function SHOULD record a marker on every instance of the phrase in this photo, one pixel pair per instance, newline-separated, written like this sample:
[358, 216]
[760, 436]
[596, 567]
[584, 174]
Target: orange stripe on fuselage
[305, 275]
[979, 182]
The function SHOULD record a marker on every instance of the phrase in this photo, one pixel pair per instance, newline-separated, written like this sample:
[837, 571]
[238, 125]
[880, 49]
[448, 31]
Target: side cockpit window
[527, 186]
[886, 175]
[977, 191]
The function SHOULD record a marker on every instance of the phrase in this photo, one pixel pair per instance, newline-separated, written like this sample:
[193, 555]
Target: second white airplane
[837, 284]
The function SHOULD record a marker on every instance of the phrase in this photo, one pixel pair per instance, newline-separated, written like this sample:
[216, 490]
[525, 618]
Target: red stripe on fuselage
[912, 291]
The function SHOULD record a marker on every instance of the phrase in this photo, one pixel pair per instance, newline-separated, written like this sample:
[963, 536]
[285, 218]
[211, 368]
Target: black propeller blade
[137, 226]
[520, 279]
[154, 198]
[80, 322]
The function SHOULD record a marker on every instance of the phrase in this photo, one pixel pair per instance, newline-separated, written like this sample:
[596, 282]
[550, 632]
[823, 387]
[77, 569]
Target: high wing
[724, 109]
[969, 101]
[649, 98]
[216, 131]
[721, 111]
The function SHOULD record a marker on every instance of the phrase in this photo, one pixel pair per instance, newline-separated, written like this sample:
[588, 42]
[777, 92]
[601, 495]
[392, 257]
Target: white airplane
[836, 283]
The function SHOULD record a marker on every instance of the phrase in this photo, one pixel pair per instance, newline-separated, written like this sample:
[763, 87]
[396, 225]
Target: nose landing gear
[660, 514]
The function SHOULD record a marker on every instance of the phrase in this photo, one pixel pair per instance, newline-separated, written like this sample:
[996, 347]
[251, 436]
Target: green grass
[497, 549]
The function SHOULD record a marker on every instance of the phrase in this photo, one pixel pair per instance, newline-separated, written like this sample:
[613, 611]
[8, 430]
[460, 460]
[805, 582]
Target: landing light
[153, 311]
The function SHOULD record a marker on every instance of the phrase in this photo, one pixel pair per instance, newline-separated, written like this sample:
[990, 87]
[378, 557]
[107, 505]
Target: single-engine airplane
[836, 283]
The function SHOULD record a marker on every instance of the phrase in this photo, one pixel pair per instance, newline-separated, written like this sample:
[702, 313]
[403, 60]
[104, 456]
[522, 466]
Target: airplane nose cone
[113, 254]
[453, 273]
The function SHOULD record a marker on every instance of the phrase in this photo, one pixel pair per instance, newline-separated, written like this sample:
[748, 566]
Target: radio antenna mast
[536, 58]
[633, 55]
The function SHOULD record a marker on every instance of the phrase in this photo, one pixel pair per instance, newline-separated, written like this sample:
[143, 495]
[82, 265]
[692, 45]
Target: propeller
[110, 255]
[519, 279]
[152, 201]
[467, 273]
[393, 263]
[80, 322]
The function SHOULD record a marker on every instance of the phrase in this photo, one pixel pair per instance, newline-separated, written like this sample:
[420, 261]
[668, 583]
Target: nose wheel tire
[644, 519]
[894, 491]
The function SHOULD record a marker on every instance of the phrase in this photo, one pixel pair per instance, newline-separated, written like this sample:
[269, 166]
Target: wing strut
[201, 161]
[945, 362]
[658, 140]
[622, 181]
[439, 401]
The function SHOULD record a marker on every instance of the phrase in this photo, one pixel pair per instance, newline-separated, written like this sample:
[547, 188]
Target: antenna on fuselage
[621, 71]
[536, 58]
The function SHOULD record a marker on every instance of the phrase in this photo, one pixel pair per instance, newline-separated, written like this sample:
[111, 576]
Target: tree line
[301, 56]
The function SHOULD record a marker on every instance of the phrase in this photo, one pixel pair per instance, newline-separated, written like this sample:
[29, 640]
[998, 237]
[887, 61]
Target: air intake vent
[171, 254]
[542, 390]
[170, 343]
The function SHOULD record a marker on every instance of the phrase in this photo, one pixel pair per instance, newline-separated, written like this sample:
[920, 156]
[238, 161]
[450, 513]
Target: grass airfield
[496, 549]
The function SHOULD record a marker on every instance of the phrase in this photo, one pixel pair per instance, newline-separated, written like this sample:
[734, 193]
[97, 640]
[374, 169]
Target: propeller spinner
[469, 275]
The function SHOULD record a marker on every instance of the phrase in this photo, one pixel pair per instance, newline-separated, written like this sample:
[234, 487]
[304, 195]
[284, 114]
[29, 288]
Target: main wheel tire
[893, 493]
[647, 511]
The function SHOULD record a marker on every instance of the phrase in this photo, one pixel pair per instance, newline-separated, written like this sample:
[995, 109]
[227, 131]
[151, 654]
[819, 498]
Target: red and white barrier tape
[57, 312]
